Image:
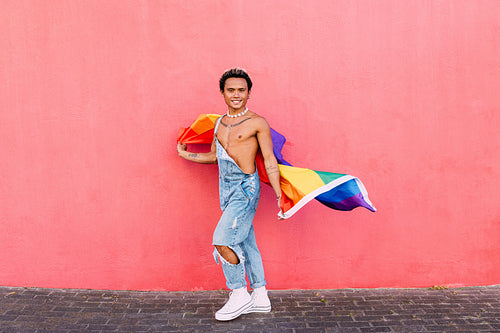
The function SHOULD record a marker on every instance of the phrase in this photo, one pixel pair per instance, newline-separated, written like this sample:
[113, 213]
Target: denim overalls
[239, 195]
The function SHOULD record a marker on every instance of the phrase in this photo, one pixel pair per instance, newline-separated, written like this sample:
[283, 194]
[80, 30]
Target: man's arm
[270, 162]
[204, 158]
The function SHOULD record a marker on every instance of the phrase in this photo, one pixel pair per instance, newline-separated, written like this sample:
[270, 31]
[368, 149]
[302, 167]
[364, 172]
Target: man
[238, 136]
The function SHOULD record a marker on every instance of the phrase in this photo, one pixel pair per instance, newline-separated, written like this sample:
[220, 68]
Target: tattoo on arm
[272, 169]
[193, 155]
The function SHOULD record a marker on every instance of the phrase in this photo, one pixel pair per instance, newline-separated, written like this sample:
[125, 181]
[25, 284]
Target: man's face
[235, 93]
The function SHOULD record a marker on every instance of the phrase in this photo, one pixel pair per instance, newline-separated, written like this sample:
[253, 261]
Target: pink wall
[403, 94]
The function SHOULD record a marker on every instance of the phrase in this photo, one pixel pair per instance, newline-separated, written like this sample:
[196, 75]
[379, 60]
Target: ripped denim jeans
[239, 196]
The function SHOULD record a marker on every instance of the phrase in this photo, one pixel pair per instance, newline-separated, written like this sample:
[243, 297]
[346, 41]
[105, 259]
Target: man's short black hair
[235, 72]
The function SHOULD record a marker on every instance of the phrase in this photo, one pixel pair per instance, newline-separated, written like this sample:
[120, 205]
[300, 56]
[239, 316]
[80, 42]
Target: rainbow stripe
[298, 185]
[201, 131]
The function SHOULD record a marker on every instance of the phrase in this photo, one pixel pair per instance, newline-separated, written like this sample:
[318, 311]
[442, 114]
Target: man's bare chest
[236, 133]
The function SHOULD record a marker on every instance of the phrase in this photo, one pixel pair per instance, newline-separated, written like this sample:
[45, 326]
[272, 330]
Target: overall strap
[217, 124]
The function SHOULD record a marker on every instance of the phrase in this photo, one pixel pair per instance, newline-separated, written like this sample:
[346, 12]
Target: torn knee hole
[228, 254]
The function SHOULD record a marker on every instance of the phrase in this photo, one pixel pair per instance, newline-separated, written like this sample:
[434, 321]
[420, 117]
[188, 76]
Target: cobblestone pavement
[475, 309]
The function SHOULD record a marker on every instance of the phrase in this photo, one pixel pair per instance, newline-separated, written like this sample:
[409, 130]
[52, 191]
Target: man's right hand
[204, 158]
[181, 147]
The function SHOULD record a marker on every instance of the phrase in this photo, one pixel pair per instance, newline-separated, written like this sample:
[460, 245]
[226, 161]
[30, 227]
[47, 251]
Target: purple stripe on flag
[278, 142]
[349, 203]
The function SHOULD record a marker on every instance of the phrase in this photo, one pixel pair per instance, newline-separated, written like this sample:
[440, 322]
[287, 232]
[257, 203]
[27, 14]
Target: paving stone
[474, 309]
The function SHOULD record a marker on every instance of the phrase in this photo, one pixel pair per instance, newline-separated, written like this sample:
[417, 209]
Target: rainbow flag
[298, 185]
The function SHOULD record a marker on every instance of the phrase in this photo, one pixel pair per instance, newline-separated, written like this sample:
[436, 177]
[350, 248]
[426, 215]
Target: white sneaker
[239, 301]
[261, 302]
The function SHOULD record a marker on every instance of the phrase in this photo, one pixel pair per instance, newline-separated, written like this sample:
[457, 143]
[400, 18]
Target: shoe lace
[230, 301]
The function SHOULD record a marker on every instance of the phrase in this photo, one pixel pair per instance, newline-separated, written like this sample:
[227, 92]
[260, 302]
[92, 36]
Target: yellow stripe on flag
[304, 180]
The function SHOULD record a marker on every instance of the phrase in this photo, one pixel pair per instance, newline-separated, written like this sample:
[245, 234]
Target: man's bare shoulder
[259, 122]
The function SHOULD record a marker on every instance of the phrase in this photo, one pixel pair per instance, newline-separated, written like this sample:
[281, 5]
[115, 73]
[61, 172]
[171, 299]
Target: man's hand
[204, 158]
[281, 211]
[181, 147]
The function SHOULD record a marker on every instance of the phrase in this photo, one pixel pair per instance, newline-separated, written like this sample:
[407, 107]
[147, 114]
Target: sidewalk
[475, 309]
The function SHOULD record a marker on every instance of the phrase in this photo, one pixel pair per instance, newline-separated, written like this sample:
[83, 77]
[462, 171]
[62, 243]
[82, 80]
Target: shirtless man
[238, 136]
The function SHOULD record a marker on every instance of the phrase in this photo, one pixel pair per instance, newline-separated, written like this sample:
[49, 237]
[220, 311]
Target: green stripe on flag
[327, 177]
